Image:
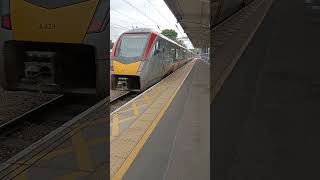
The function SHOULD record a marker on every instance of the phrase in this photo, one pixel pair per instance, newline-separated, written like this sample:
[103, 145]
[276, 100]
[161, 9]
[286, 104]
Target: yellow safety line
[142, 99]
[125, 119]
[127, 163]
[134, 108]
[72, 176]
[55, 153]
[22, 175]
[81, 151]
[93, 142]
[147, 99]
[115, 125]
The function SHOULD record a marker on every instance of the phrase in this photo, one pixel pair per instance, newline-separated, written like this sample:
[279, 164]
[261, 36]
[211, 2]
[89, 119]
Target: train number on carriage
[47, 26]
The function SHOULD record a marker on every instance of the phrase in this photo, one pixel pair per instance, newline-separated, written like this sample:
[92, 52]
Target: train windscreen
[51, 4]
[131, 47]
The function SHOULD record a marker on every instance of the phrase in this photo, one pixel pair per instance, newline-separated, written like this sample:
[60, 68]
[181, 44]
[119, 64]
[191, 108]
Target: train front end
[54, 46]
[129, 61]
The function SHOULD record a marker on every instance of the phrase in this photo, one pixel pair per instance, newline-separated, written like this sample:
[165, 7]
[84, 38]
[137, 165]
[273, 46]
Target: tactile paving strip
[78, 150]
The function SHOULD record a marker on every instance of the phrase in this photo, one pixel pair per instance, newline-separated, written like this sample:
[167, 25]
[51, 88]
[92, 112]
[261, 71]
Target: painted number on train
[47, 26]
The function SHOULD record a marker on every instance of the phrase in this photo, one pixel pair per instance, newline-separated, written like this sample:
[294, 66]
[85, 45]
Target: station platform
[76, 150]
[149, 137]
[152, 135]
[266, 113]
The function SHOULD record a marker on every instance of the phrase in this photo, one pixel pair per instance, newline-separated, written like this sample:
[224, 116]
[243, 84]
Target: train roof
[149, 30]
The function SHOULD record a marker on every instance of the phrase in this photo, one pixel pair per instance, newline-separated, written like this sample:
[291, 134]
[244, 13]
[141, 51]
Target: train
[55, 46]
[222, 9]
[142, 57]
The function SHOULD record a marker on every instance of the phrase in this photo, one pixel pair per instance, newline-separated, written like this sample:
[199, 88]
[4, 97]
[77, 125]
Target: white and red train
[142, 57]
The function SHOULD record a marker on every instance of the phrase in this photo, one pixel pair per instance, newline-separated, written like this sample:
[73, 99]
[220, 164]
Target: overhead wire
[176, 25]
[122, 21]
[156, 24]
[128, 17]
[163, 17]
[120, 26]
[141, 13]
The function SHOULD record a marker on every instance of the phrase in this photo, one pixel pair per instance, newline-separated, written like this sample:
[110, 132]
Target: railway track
[25, 129]
[29, 126]
[10, 122]
[116, 95]
[120, 99]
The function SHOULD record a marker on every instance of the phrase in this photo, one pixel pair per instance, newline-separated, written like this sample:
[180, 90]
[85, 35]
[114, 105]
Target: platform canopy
[194, 17]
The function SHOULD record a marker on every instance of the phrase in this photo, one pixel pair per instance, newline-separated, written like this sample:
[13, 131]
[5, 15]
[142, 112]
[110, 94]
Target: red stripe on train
[150, 42]
[115, 47]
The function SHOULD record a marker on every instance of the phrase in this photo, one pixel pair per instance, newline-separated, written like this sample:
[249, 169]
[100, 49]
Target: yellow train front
[142, 57]
[54, 46]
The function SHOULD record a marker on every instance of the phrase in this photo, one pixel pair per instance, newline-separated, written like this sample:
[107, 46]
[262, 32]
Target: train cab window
[51, 4]
[132, 46]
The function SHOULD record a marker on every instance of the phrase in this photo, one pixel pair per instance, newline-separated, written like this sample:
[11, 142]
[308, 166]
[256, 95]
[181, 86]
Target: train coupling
[122, 83]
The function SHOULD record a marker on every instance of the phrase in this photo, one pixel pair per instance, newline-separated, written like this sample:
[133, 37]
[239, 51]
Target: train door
[173, 56]
[160, 58]
[157, 60]
[178, 57]
[152, 72]
[167, 57]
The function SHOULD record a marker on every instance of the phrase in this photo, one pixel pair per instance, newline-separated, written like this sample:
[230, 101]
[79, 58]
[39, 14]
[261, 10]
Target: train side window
[177, 53]
[153, 49]
[157, 45]
[173, 52]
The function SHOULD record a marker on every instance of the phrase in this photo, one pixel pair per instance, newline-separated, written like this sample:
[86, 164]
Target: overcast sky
[142, 14]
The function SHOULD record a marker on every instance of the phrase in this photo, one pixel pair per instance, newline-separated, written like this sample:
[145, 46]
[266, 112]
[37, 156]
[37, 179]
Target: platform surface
[266, 115]
[157, 129]
[76, 150]
[152, 135]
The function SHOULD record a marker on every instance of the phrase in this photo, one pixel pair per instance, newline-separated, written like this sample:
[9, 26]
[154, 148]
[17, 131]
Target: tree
[111, 44]
[170, 33]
